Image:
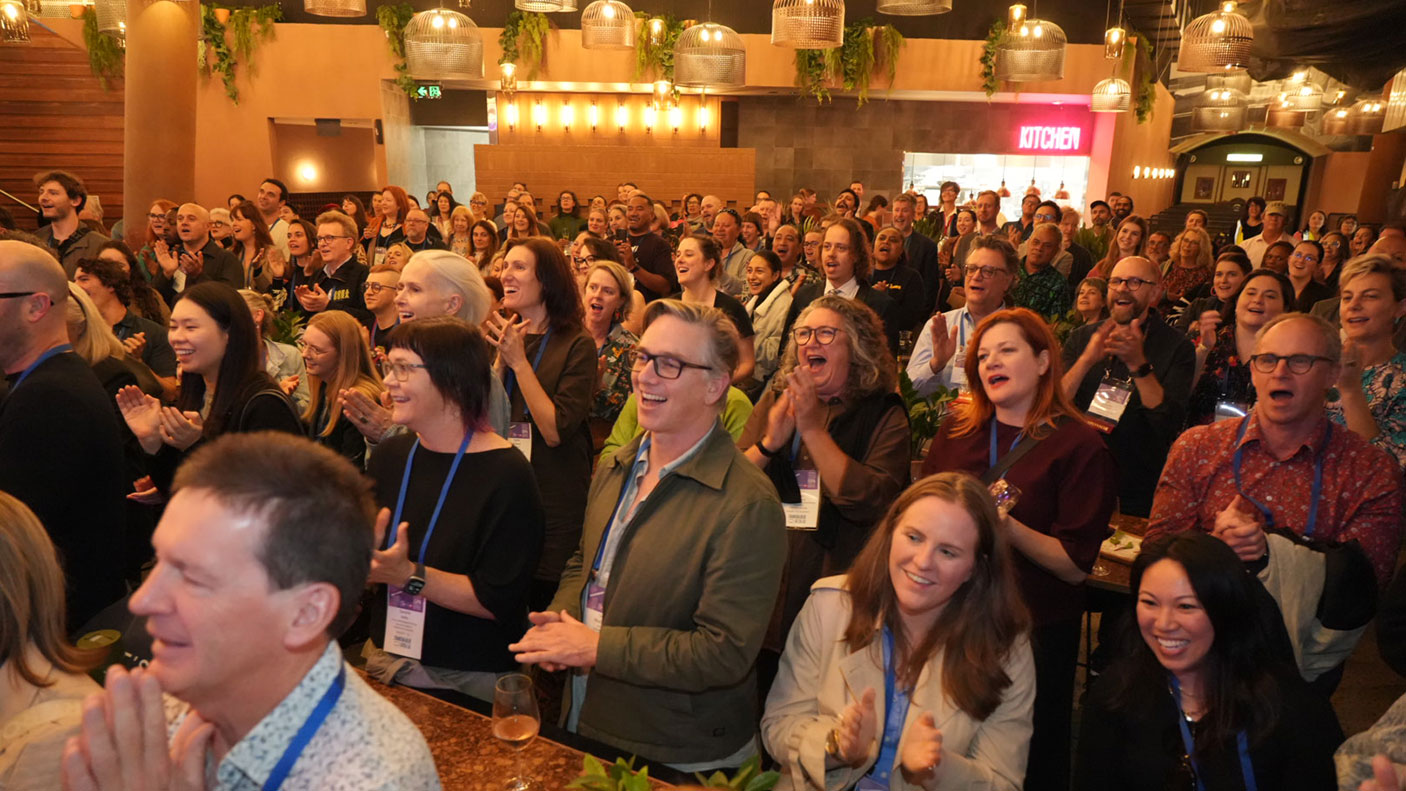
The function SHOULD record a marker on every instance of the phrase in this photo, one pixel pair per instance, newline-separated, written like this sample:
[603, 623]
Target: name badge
[1109, 402]
[805, 515]
[959, 368]
[405, 623]
[520, 434]
[1231, 410]
[595, 606]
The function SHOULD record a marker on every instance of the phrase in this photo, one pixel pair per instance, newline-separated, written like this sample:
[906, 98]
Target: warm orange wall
[345, 163]
[1338, 187]
[1143, 145]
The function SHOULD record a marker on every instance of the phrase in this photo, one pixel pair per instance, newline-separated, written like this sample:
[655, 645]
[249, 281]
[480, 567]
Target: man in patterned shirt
[1283, 487]
[262, 554]
[1038, 285]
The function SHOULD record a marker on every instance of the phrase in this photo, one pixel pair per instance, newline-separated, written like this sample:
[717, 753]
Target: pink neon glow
[1050, 138]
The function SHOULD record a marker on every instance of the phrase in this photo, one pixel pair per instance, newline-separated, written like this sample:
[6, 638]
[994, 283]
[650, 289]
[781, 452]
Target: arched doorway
[1229, 169]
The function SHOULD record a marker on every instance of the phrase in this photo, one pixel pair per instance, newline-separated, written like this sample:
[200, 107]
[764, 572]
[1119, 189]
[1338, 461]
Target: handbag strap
[993, 474]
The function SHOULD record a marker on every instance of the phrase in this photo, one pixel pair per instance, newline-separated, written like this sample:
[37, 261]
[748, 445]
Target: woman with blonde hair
[281, 361]
[95, 342]
[398, 254]
[1191, 264]
[608, 299]
[920, 650]
[459, 238]
[478, 204]
[337, 358]
[43, 678]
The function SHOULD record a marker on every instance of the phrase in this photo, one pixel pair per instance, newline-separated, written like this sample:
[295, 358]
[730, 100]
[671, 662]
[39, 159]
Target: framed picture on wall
[1240, 179]
[1205, 187]
[1274, 189]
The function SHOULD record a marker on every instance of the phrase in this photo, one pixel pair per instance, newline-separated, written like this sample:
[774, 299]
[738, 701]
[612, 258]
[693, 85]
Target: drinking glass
[516, 722]
[1006, 495]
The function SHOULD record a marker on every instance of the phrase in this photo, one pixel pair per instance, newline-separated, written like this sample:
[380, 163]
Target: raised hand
[392, 565]
[857, 729]
[312, 299]
[373, 420]
[1208, 322]
[1241, 527]
[143, 415]
[922, 747]
[180, 429]
[135, 345]
[944, 342]
[780, 424]
[288, 384]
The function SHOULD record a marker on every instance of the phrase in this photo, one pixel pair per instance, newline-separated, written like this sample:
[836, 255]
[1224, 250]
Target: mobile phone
[621, 235]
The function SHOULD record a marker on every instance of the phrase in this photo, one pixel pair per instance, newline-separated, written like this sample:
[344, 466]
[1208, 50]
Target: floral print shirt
[1225, 377]
[1385, 386]
[1182, 280]
[613, 365]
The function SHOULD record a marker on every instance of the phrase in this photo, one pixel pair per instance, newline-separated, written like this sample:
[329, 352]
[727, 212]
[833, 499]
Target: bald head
[1392, 243]
[710, 207]
[35, 321]
[1134, 285]
[193, 224]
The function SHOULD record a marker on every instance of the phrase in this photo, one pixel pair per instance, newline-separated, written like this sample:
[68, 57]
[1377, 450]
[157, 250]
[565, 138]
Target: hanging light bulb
[14, 22]
[656, 31]
[1015, 16]
[1003, 192]
[1061, 193]
[1113, 40]
[507, 78]
[662, 92]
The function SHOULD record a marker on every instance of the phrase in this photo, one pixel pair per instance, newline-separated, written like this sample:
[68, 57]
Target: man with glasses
[420, 234]
[1133, 373]
[198, 258]
[1038, 285]
[341, 283]
[1284, 486]
[922, 251]
[939, 353]
[379, 295]
[1018, 231]
[678, 509]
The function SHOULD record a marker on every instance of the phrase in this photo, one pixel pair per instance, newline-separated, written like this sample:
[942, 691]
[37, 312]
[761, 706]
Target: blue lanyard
[443, 493]
[57, 350]
[895, 714]
[306, 732]
[614, 514]
[1016, 441]
[510, 382]
[1242, 745]
[1316, 492]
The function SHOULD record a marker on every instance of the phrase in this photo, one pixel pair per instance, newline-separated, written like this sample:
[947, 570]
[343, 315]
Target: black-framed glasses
[401, 371]
[986, 272]
[823, 335]
[374, 288]
[1130, 283]
[16, 294]
[1298, 363]
[330, 239]
[665, 367]
[584, 261]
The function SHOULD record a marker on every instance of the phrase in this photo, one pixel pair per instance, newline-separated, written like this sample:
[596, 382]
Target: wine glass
[1006, 495]
[516, 722]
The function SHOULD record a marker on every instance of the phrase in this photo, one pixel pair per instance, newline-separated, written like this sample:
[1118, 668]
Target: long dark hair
[359, 216]
[241, 373]
[262, 239]
[457, 359]
[1245, 661]
[559, 292]
[144, 298]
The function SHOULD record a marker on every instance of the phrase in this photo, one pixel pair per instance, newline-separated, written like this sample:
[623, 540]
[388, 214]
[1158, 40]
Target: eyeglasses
[1333, 245]
[823, 335]
[375, 288]
[582, 262]
[304, 346]
[401, 371]
[330, 239]
[1130, 283]
[154, 216]
[1298, 363]
[1312, 259]
[985, 271]
[665, 367]
[16, 294]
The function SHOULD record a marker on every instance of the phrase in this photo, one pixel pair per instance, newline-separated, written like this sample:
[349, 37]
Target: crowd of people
[672, 459]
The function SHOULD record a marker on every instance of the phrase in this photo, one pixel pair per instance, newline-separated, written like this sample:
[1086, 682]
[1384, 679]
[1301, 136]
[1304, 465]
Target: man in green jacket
[662, 610]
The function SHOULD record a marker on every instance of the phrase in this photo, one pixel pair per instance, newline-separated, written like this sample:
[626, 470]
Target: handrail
[17, 200]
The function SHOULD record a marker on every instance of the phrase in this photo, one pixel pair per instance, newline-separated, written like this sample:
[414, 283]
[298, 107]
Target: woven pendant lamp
[335, 8]
[443, 45]
[49, 9]
[1306, 96]
[914, 7]
[1284, 115]
[545, 6]
[1336, 122]
[1112, 95]
[112, 16]
[608, 24]
[1216, 41]
[808, 24]
[1222, 110]
[14, 22]
[1033, 52]
[1367, 117]
[709, 55]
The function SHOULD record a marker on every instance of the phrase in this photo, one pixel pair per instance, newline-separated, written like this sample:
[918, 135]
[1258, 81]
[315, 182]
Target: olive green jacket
[691, 592]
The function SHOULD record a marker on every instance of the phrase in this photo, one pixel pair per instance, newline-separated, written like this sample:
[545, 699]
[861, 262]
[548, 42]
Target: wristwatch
[1143, 370]
[832, 743]
[417, 580]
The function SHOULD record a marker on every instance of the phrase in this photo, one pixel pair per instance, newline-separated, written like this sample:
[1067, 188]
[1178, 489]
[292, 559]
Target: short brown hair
[72, 185]
[723, 338]
[316, 507]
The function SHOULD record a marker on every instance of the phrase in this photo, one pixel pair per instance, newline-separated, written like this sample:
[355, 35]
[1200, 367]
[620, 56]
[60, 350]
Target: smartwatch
[1143, 370]
[417, 580]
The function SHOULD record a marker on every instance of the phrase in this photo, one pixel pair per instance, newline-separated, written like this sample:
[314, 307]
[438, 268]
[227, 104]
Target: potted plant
[621, 776]
[925, 414]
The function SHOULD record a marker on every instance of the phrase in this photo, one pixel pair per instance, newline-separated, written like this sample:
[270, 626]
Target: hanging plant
[852, 64]
[522, 40]
[813, 74]
[105, 53]
[989, 83]
[656, 60]
[393, 18]
[1138, 65]
[213, 52]
[246, 28]
[890, 41]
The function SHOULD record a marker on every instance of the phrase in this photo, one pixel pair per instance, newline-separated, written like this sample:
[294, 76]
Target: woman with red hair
[385, 230]
[160, 227]
[1020, 426]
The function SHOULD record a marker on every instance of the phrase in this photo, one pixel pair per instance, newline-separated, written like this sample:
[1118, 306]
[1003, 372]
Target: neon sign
[1050, 138]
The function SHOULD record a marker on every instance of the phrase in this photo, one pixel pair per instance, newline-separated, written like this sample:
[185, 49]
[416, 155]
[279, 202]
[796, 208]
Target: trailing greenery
[925, 413]
[393, 18]
[522, 40]
[214, 54]
[852, 64]
[989, 83]
[622, 776]
[1143, 79]
[246, 29]
[656, 59]
[105, 52]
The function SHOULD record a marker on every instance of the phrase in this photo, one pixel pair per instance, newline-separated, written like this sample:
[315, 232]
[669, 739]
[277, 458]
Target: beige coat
[819, 677]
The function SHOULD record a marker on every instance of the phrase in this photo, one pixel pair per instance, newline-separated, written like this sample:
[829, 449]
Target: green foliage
[852, 64]
[989, 83]
[247, 28]
[929, 226]
[619, 776]
[393, 18]
[1140, 68]
[105, 52]
[925, 413]
[522, 40]
[656, 59]
[750, 777]
[288, 326]
[251, 26]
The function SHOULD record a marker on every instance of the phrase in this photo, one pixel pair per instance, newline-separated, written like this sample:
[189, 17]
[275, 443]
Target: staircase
[54, 115]
[1223, 217]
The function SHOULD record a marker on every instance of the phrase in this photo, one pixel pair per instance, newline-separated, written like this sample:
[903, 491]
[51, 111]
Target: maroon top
[1068, 489]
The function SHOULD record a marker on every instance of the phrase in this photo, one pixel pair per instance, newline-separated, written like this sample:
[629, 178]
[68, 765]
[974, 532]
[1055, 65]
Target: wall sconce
[510, 112]
[1137, 172]
[675, 118]
[705, 116]
[593, 115]
[622, 116]
[507, 78]
[539, 114]
[567, 115]
[650, 116]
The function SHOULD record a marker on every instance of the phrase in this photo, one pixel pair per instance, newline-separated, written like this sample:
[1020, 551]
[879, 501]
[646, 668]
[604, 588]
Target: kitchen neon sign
[1050, 138]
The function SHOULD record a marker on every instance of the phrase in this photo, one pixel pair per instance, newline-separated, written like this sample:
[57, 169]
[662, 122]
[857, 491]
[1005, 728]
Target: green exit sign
[429, 92]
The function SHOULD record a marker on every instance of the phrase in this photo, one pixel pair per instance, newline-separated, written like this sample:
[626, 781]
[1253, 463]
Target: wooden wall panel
[54, 115]
[665, 173]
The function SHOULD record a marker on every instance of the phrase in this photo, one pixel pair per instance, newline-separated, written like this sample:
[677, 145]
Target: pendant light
[1033, 52]
[607, 24]
[335, 8]
[111, 16]
[443, 45]
[1216, 41]
[1221, 110]
[545, 6]
[914, 7]
[1015, 15]
[49, 9]
[710, 55]
[1283, 115]
[808, 24]
[1367, 117]
[1336, 122]
[1112, 95]
[14, 22]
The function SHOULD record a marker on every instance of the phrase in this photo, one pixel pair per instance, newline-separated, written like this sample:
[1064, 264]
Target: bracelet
[770, 454]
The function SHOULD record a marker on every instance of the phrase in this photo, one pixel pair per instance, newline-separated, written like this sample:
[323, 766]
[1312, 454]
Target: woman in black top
[223, 385]
[337, 358]
[460, 513]
[698, 263]
[1205, 693]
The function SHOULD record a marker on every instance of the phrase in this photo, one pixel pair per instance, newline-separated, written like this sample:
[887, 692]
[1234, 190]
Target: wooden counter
[1112, 574]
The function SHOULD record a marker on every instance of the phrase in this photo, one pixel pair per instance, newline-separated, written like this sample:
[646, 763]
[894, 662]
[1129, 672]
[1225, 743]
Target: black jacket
[875, 299]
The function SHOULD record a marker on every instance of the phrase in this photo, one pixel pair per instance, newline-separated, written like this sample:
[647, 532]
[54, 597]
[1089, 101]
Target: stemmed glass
[516, 722]
[1005, 494]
